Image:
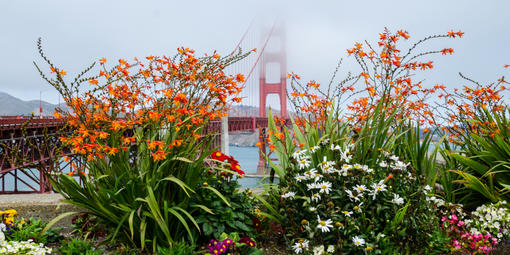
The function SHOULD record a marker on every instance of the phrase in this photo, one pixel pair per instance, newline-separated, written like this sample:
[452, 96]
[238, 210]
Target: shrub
[138, 135]
[235, 214]
[76, 246]
[23, 247]
[332, 200]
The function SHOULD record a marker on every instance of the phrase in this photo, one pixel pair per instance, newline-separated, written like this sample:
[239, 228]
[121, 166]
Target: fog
[76, 33]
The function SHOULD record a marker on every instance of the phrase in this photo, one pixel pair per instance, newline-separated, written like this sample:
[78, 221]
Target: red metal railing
[43, 157]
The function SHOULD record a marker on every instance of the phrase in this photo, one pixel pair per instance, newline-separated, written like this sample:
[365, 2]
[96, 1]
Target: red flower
[219, 156]
[248, 241]
[237, 168]
[256, 223]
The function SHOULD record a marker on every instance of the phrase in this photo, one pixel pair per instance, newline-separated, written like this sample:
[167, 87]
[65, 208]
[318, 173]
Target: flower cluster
[216, 247]
[180, 93]
[462, 239]
[493, 219]
[332, 199]
[6, 222]
[234, 164]
[222, 247]
[23, 247]
[479, 231]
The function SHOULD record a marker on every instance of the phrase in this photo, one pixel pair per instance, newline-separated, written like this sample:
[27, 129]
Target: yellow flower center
[323, 223]
[339, 224]
[356, 207]
[324, 187]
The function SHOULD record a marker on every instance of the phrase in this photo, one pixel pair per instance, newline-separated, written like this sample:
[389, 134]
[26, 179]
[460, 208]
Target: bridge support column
[224, 136]
[262, 168]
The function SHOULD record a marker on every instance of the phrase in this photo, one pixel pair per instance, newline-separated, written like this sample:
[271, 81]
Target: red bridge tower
[272, 58]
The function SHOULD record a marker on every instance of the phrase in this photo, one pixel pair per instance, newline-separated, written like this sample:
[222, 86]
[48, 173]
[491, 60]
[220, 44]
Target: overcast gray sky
[75, 33]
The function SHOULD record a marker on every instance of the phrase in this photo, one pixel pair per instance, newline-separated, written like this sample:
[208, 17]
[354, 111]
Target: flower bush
[23, 247]
[137, 132]
[235, 214]
[362, 182]
[233, 244]
[331, 200]
[6, 222]
[467, 237]
[493, 219]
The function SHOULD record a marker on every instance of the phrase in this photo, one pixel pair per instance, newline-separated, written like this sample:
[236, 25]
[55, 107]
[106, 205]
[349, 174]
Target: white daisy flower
[347, 213]
[394, 158]
[318, 250]
[358, 241]
[300, 178]
[312, 209]
[325, 187]
[351, 196]
[427, 188]
[346, 155]
[317, 177]
[331, 248]
[378, 187]
[335, 147]
[316, 197]
[314, 149]
[397, 199]
[383, 164]
[361, 188]
[324, 226]
[304, 163]
[298, 247]
[297, 154]
[310, 174]
[290, 195]
[399, 165]
[311, 186]
[345, 168]
[358, 207]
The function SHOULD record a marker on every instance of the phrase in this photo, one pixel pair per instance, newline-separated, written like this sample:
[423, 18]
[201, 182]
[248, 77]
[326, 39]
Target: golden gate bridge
[35, 141]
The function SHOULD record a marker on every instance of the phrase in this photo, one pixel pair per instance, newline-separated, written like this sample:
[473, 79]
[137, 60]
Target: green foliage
[180, 248]
[140, 200]
[233, 215]
[85, 226]
[341, 157]
[76, 246]
[33, 230]
[483, 159]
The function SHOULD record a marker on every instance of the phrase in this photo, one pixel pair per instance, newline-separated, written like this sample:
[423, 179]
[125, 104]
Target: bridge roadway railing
[43, 155]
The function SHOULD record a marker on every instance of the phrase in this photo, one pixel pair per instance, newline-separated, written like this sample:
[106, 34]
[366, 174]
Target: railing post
[224, 135]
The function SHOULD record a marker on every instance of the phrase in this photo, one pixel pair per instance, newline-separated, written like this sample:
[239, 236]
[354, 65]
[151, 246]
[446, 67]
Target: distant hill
[10, 105]
[249, 111]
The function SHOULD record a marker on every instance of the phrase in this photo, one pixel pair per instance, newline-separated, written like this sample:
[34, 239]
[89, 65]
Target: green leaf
[218, 194]
[206, 227]
[55, 220]
[177, 181]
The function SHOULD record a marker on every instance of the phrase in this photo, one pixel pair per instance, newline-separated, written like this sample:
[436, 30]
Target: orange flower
[447, 51]
[177, 143]
[159, 155]
[92, 81]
